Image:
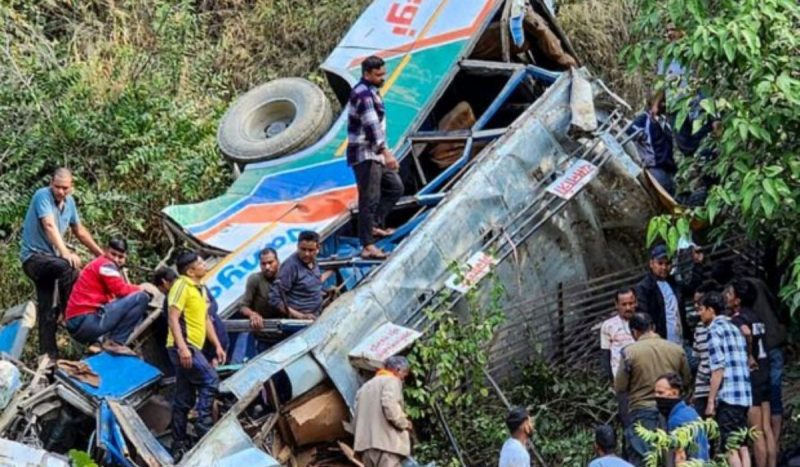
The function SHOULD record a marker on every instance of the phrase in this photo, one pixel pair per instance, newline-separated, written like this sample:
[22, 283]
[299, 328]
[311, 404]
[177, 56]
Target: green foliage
[682, 438]
[81, 459]
[454, 354]
[565, 405]
[742, 57]
[129, 94]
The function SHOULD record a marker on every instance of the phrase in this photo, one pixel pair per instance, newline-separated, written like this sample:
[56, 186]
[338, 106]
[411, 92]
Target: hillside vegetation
[129, 95]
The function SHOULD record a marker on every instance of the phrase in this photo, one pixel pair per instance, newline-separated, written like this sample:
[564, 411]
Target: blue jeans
[115, 320]
[775, 380]
[637, 448]
[196, 383]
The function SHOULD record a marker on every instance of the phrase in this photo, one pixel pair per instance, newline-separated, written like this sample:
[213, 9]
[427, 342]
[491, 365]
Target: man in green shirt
[255, 304]
[643, 363]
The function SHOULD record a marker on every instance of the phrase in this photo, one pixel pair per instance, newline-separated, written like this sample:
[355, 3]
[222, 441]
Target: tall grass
[599, 29]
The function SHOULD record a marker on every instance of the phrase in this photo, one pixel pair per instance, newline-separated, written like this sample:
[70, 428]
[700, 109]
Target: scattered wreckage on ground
[515, 162]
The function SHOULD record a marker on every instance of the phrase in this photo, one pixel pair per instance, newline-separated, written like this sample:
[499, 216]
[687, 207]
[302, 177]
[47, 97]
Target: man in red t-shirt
[103, 305]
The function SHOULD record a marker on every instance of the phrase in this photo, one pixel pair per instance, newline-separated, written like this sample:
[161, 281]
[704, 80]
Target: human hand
[221, 356]
[73, 259]
[390, 160]
[185, 356]
[256, 321]
[752, 363]
[710, 409]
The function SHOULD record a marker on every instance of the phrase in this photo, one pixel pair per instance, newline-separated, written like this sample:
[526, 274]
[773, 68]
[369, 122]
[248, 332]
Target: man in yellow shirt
[189, 327]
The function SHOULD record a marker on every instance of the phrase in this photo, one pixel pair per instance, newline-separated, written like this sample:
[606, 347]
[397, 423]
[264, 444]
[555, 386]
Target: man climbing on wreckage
[297, 291]
[103, 306]
[189, 327]
[373, 164]
[45, 257]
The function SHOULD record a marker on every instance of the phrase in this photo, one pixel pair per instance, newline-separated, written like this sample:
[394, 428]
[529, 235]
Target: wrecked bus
[514, 161]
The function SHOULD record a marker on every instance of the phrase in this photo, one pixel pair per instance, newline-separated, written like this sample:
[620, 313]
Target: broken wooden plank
[147, 447]
[268, 425]
[504, 31]
[350, 454]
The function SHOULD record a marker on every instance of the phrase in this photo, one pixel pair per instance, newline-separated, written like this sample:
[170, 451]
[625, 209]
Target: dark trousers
[198, 383]
[637, 447]
[378, 190]
[116, 319]
[47, 272]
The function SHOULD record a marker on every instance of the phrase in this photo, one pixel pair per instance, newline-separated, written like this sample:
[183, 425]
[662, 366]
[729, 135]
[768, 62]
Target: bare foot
[379, 232]
[117, 348]
[372, 252]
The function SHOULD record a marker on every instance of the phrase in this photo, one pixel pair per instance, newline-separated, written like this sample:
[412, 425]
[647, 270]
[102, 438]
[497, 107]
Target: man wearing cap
[381, 424]
[103, 305]
[514, 452]
[189, 326]
[658, 295]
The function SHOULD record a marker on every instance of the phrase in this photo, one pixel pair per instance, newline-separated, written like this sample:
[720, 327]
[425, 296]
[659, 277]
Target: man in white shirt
[514, 452]
[615, 333]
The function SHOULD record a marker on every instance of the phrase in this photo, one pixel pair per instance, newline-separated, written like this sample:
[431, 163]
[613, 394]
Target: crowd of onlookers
[676, 352]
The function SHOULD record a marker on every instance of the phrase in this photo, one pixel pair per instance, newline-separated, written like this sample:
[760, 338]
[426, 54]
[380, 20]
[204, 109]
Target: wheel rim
[270, 119]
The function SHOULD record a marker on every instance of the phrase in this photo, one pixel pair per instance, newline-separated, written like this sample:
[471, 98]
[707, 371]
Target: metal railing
[563, 326]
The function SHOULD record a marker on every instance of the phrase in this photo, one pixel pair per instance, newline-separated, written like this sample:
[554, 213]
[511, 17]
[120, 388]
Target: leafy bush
[565, 404]
[741, 60]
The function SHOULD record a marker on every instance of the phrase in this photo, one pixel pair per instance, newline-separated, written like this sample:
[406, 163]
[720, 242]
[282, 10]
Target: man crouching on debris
[189, 326]
[382, 427]
[103, 305]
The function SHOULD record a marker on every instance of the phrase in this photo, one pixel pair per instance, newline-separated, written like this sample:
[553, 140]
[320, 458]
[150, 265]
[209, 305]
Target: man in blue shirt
[730, 395]
[297, 291]
[45, 256]
[605, 443]
[374, 166]
[655, 144]
[679, 413]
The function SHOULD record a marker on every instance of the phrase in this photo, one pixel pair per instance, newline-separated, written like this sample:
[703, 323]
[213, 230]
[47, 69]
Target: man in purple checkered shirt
[374, 165]
[730, 375]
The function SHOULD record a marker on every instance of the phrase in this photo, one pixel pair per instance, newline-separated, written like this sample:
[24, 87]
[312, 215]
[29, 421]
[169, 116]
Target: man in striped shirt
[702, 380]
[374, 165]
[729, 397]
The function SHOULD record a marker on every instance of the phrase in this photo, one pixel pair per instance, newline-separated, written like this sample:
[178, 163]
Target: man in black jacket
[658, 295]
